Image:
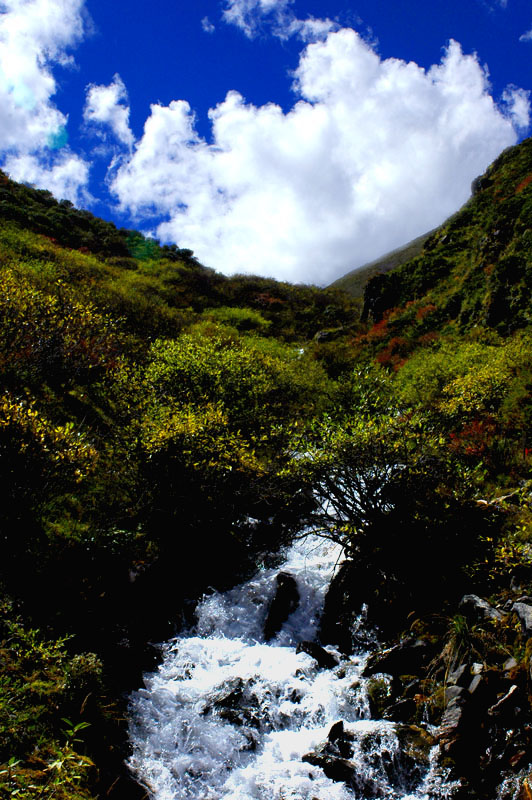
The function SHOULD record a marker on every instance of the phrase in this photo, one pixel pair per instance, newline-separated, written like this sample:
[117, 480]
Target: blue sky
[291, 138]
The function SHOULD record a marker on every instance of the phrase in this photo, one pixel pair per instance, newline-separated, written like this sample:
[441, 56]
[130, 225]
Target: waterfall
[230, 716]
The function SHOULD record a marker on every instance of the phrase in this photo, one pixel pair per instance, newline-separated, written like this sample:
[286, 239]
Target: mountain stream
[230, 716]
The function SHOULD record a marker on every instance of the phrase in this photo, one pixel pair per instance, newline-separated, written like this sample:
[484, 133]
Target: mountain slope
[354, 282]
[476, 268]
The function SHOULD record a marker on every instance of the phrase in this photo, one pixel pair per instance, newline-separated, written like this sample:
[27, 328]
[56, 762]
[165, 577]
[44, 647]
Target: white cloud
[526, 37]
[64, 176]
[518, 103]
[35, 35]
[108, 105]
[248, 14]
[207, 25]
[373, 153]
[251, 16]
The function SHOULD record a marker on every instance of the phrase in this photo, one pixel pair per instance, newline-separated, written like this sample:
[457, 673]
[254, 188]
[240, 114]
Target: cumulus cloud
[64, 176]
[526, 37]
[35, 35]
[108, 105]
[207, 25]
[373, 153]
[518, 104]
[251, 16]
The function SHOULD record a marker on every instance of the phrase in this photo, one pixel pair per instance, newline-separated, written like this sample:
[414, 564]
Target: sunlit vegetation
[164, 428]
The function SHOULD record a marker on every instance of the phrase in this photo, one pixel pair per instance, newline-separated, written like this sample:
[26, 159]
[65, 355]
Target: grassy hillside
[146, 403]
[475, 269]
[354, 282]
[164, 428]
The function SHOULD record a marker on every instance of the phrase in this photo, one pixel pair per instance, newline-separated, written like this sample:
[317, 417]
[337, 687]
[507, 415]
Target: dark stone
[475, 683]
[405, 658]
[324, 659]
[335, 758]
[416, 743]
[403, 710]
[452, 692]
[284, 603]
[343, 602]
[460, 676]
[524, 613]
[334, 754]
[229, 703]
[475, 609]
[341, 739]
[455, 727]
[335, 768]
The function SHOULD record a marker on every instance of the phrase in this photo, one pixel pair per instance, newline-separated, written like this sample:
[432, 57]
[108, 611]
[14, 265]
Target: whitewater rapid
[228, 716]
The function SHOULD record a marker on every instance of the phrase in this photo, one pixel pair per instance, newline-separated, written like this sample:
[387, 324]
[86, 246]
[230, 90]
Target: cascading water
[229, 716]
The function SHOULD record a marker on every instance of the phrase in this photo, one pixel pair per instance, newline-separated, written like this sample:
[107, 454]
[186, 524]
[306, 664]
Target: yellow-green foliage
[468, 378]
[51, 335]
[243, 319]
[42, 749]
[200, 437]
[256, 381]
[24, 430]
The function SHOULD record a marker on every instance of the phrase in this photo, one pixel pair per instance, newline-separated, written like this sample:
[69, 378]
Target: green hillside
[165, 429]
[354, 282]
[476, 268]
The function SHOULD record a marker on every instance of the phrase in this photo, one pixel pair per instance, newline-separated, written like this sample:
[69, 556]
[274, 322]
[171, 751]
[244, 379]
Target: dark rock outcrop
[284, 603]
[405, 658]
[475, 609]
[524, 613]
[324, 659]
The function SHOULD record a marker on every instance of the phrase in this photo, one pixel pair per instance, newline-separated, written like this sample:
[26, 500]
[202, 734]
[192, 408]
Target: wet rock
[341, 739]
[455, 724]
[379, 696]
[324, 659]
[402, 711]
[475, 684]
[475, 609]
[334, 755]
[509, 664]
[335, 768]
[284, 603]
[524, 614]
[375, 768]
[229, 702]
[416, 743]
[343, 602]
[406, 658]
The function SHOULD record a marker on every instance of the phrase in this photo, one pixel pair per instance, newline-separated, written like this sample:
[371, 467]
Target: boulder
[406, 658]
[524, 614]
[333, 756]
[460, 676]
[284, 603]
[374, 769]
[452, 692]
[403, 710]
[343, 602]
[416, 743]
[228, 701]
[455, 727]
[475, 609]
[334, 767]
[324, 659]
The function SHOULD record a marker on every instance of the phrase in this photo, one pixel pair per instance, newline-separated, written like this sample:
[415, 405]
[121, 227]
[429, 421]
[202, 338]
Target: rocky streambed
[248, 704]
